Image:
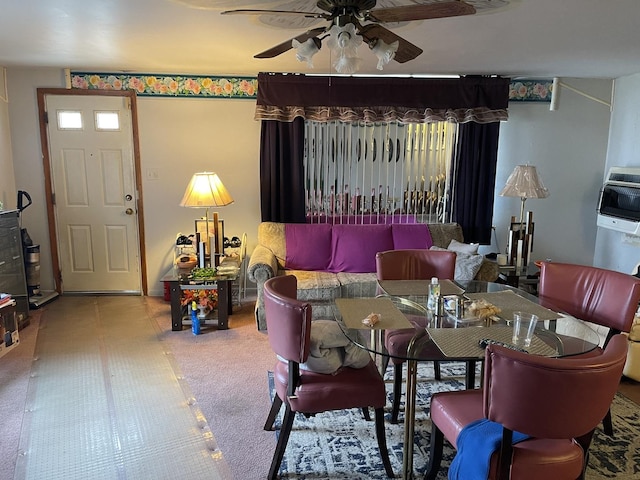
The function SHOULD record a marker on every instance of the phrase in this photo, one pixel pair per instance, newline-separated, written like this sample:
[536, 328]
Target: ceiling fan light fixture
[384, 51]
[348, 65]
[306, 50]
[344, 41]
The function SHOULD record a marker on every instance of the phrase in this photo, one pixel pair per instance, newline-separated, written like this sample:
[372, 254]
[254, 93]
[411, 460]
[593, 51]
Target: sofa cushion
[357, 284]
[315, 285]
[308, 246]
[467, 266]
[442, 233]
[411, 236]
[354, 247]
[459, 247]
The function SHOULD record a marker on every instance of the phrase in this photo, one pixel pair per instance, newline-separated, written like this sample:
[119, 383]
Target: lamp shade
[524, 183]
[306, 50]
[206, 190]
[384, 51]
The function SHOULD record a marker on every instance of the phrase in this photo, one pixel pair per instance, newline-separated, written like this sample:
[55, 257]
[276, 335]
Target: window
[107, 121]
[383, 169]
[69, 120]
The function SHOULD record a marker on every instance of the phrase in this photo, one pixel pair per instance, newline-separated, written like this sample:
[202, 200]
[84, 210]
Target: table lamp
[205, 190]
[523, 182]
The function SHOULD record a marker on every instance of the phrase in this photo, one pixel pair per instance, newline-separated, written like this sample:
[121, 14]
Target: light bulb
[343, 39]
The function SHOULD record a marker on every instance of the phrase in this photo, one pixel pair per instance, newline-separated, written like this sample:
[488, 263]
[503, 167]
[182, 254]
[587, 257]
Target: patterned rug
[342, 445]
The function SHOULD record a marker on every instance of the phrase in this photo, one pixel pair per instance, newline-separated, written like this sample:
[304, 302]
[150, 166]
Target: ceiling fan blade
[406, 50]
[274, 12]
[453, 8]
[285, 46]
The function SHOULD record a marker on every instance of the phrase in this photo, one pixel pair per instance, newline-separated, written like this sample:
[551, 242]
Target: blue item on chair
[476, 443]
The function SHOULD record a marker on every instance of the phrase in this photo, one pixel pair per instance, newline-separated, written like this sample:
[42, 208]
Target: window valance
[283, 97]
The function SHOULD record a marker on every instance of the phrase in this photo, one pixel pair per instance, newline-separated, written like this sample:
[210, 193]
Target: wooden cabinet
[12, 273]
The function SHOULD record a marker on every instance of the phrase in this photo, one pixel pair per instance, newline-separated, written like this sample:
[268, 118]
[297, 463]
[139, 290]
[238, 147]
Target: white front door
[93, 183]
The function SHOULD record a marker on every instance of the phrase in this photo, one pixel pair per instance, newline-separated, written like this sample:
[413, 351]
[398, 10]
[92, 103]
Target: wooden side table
[178, 282]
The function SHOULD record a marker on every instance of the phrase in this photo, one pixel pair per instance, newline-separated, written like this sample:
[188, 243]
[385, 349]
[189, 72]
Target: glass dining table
[450, 335]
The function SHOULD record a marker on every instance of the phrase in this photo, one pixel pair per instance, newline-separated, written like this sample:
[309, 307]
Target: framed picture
[201, 231]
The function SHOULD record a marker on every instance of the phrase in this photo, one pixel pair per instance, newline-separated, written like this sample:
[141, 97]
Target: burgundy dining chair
[602, 297]
[289, 326]
[540, 398]
[417, 264]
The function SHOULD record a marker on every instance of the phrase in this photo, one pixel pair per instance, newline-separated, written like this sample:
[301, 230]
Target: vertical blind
[397, 170]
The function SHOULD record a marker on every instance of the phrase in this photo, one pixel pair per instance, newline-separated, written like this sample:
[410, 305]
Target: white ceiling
[528, 38]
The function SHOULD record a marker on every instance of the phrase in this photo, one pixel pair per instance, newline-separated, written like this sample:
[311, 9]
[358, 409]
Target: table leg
[377, 345]
[176, 308]
[409, 420]
[224, 304]
[470, 376]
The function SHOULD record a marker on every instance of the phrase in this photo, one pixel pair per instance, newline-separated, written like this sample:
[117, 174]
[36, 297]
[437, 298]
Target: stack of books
[5, 298]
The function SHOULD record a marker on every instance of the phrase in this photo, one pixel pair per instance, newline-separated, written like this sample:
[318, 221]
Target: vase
[202, 311]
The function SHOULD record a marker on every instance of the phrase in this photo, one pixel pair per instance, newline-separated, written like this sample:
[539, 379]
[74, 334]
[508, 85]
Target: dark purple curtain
[284, 100]
[282, 171]
[475, 181]
[275, 89]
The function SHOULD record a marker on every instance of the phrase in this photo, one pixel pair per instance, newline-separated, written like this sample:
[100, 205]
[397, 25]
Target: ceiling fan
[352, 22]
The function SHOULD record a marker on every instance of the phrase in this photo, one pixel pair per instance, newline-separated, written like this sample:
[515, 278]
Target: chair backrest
[592, 294]
[551, 397]
[416, 264]
[288, 319]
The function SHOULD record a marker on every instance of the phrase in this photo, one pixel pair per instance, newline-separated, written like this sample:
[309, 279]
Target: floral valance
[284, 97]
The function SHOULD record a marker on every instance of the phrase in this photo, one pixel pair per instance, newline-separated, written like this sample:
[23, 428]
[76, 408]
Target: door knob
[129, 211]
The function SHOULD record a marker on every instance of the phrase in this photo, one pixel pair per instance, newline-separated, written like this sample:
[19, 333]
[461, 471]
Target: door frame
[48, 181]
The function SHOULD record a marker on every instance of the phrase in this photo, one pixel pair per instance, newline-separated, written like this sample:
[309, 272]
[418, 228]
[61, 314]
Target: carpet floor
[341, 444]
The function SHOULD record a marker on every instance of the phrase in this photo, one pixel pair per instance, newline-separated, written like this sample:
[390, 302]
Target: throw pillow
[354, 247]
[308, 246]
[410, 236]
[467, 266]
[459, 247]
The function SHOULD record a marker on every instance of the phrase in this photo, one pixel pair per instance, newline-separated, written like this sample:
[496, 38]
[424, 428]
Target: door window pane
[69, 120]
[107, 121]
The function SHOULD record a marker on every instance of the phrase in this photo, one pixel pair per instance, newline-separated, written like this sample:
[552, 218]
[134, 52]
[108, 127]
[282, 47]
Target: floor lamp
[205, 190]
[524, 183]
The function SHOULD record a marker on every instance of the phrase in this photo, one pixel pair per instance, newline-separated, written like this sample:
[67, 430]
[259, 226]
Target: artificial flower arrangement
[207, 299]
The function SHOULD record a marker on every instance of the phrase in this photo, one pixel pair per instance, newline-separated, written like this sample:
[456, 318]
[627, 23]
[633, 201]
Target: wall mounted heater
[619, 207]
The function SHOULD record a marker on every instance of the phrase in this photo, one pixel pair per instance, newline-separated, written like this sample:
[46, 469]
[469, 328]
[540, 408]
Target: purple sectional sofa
[326, 258]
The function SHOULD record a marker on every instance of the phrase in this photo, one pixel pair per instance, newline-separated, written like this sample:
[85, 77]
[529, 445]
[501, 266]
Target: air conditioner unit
[619, 206]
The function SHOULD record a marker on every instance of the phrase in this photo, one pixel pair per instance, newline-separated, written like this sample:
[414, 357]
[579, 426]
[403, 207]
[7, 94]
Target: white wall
[7, 180]
[615, 250]
[27, 155]
[182, 136]
[568, 146]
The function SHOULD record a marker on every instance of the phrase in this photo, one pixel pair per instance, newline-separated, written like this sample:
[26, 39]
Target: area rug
[342, 445]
